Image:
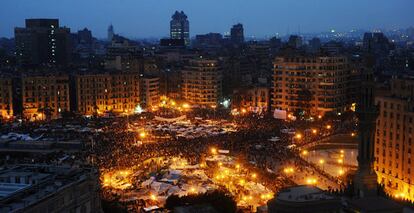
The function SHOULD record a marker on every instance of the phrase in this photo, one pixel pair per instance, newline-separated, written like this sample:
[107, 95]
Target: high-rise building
[314, 45]
[149, 91]
[394, 138]
[180, 27]
[43, 42]
[202, 82]
[237, 34]
[311, 85]
[98, 93]
[122, 55]
[111, 33]
[44, 96]
[295, 41]
[209, 40]
[376, 43]
[85, 37]
[6, 95]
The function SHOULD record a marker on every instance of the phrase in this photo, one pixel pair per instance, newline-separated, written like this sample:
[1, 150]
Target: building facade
[394, 139]
[237, 34]
[255, 99]
[310, 85]
[45, 96]
[202, 82]
[43, 42]
[124, 56]
[180, 27]
[98, 93]
[6, 97]
[41, 188]
[149, 91]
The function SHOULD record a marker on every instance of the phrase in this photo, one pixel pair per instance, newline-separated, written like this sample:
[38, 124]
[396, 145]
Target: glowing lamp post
[322, 162]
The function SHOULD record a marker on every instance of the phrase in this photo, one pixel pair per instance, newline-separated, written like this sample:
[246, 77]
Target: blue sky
[150, 18]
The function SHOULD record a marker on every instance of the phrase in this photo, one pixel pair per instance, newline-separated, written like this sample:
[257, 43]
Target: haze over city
[149, 18]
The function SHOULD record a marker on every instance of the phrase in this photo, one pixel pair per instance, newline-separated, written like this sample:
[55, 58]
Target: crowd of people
[115, 147]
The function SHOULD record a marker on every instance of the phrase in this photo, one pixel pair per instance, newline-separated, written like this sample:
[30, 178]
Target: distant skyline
[150, 18]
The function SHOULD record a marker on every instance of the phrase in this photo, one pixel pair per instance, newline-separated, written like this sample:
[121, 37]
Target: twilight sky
[150, 18]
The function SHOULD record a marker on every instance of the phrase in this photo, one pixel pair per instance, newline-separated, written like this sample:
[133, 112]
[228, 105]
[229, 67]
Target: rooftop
[303, 193]
[24, 185]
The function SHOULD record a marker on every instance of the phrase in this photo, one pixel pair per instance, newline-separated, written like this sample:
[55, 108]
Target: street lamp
[254, 175]
[213, 151]
[322, 162]
[153, 197]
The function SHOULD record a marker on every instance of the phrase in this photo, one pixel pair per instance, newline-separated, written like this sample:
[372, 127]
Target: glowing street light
[153, 197]
[328, 126]
[213, 151]
[288, 170]
[311, 181]
[186, 106]
[142, 134]
[298, 136]
[314, 131]
[322, 162]
[305, 152]
[400, 195]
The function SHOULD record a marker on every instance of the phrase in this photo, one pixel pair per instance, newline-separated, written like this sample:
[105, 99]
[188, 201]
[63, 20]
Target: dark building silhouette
[111, 33]
[376, 43]
[365, 179]
[275, 44]
[295, 41]
[237, 34]
[314, 45]
[172, 43]
[209, 39]
[180, 27]
[85, 36]
[333, 48]
[43, 42]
